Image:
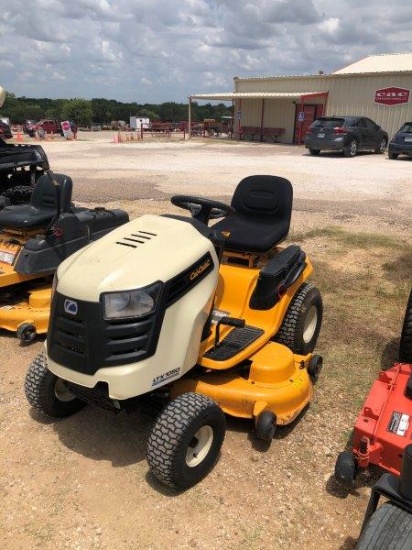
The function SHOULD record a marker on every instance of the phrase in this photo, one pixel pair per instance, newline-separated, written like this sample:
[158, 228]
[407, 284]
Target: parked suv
[401, 143]
[47, 126]
[348, 134]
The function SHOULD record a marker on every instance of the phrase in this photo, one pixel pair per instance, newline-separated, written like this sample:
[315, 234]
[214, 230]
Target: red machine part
[384, 426]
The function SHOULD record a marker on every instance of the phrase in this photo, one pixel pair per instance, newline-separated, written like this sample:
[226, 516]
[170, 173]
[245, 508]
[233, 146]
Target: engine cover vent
[137, 238]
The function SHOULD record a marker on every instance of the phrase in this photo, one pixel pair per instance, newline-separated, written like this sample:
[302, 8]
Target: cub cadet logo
[392, 96]
[196, 272]
[70, 307]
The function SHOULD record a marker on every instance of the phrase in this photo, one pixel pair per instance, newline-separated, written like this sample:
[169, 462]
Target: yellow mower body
[276, 379]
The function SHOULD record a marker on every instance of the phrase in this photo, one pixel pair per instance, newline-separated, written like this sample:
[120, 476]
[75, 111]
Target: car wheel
[314, 151]
[389, 528]
[301, 325]
[380, 149]
[351, 149]
[186, 440]
[393, 156]
[405, 346]
[47, 393]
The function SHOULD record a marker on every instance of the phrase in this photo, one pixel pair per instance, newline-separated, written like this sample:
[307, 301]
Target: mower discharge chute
[214, 320]
[35, 238]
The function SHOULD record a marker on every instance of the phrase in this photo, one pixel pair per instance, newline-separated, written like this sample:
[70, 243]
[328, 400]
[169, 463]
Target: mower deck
[384, 425]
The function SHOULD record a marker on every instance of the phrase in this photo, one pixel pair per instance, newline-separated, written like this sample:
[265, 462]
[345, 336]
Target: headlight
[131, 303]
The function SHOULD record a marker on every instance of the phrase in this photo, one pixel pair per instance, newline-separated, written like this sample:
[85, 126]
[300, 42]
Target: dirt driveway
[83, 483]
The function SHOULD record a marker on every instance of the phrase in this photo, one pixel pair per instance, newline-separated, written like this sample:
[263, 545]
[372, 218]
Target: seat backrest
[66, 190]
[268, 196]
[263, 207]
[44, 194]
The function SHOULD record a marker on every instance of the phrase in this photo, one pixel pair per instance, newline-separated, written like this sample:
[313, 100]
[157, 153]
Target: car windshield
[328, 122]
[406, 128]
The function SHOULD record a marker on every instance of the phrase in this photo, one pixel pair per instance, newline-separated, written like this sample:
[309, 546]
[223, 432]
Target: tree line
[102, 111]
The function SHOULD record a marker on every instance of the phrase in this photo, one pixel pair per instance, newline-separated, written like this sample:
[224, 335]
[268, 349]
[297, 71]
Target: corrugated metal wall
[348, 94]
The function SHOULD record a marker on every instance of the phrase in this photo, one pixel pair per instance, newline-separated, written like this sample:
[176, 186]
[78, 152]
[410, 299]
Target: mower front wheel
[186, 440]
[300, 328]
[346, 468]
[48, 393]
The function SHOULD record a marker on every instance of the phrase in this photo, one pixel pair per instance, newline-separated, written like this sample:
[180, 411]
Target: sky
[154, 51]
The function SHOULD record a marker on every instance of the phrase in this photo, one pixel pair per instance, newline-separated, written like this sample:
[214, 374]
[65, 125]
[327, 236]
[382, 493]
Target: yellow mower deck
[274, 378]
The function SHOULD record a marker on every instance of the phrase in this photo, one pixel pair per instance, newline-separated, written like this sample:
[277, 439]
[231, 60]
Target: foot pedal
[235, 342]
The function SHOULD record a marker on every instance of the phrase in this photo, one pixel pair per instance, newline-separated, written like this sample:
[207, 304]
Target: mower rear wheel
[48, 393]
[300, 328]
[265, 426]
[346, 468]
[20, 194]
[186, 440]
[405, 346]
[389, 528]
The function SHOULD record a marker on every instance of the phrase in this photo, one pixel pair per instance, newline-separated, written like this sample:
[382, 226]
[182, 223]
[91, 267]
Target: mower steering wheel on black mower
[203, 209]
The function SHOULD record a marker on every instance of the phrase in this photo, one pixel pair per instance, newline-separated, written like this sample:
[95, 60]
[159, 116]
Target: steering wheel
[202, 209]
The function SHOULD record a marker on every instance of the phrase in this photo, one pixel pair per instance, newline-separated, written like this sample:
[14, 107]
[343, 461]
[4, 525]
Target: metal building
[282, 108]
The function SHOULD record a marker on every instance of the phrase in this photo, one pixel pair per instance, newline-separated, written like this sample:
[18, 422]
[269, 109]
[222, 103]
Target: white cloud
[155, 51]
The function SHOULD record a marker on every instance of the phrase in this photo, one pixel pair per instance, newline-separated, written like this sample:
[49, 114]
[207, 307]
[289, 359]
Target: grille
[86, 342]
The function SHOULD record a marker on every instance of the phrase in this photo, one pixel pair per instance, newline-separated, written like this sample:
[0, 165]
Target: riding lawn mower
[382, 439]
[384, 425]
[21, 164]
[197, 320]
[34, 239]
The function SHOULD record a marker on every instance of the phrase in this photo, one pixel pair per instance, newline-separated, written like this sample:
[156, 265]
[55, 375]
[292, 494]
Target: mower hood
[135, 255]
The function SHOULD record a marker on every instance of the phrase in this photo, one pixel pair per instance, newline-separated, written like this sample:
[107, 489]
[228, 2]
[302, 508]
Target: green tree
[79, 110]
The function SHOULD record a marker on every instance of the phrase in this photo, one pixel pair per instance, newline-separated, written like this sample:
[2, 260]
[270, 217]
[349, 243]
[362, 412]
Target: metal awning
[231, 96]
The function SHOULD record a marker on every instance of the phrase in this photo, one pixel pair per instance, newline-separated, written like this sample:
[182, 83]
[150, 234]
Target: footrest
[236, 341]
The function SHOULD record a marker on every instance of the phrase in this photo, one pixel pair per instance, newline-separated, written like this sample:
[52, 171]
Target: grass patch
[365, 281]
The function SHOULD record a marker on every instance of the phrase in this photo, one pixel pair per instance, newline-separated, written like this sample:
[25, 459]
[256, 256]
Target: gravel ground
[83, 483]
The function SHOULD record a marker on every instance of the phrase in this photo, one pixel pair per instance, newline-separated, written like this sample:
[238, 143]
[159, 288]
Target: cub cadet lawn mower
[34, 239]
[384, 426]
[214, 319]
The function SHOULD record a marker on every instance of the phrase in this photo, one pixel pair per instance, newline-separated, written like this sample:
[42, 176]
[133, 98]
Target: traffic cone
[19, 136]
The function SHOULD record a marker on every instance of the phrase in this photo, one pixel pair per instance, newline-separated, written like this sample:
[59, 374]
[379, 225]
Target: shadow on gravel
[101, 435]
[367, 478]
[349, 544]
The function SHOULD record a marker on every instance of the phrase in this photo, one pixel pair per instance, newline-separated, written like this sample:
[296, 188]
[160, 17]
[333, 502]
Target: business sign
[392, 96]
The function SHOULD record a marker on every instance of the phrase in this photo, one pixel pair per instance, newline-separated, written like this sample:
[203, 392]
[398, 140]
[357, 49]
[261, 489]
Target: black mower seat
[43, 205]
[263, 207]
